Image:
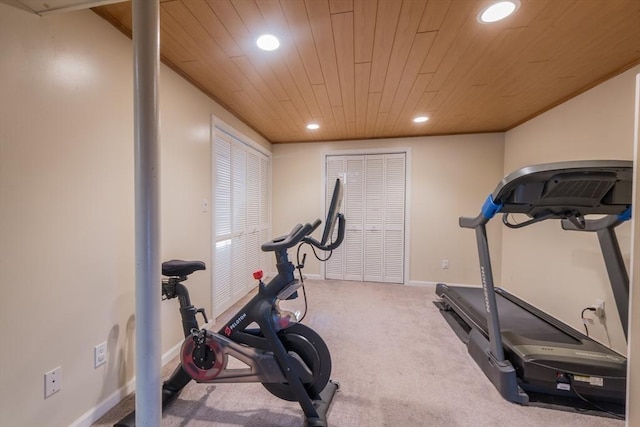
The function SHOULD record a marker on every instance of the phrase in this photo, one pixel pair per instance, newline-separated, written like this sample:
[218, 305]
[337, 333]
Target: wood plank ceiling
[364, 68]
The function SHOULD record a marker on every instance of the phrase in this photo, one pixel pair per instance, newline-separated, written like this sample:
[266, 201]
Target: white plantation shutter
[374, 208]
[222, 198]
[222, 222]
[222, 274]
[253, 213]
[253, 254]
[239, 220]
[242, 218]
[239, 279]
[265, 217]
[253, 192]
[266, 258]
[239, 188]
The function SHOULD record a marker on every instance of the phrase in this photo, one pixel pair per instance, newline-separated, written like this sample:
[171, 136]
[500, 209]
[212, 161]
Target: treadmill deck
[543, 352]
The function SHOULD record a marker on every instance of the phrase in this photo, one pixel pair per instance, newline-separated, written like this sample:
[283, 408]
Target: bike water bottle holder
[290, 292]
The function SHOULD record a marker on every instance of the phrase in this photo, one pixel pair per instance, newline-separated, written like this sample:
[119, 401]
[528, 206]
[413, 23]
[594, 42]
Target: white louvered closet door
[373, 218]
[374, 207]
[241, 219]
[394, 216]
[353, 209]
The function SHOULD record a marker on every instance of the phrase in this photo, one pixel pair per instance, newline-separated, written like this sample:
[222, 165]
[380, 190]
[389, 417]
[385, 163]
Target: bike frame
[261, 349]
[260, 308]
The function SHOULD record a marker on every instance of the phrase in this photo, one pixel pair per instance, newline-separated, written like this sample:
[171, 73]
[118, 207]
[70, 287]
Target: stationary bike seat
[177, 267]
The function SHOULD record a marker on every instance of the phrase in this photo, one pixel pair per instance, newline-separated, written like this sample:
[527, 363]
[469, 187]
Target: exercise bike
[290, 360]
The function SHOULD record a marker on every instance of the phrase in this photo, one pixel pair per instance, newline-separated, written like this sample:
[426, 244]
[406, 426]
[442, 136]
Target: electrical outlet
[52, 381]
[599, 306]
[445, 264]
[99, 354]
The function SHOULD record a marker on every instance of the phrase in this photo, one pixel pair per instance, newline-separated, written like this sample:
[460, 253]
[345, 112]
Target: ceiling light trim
[498, 11]
[268, 42]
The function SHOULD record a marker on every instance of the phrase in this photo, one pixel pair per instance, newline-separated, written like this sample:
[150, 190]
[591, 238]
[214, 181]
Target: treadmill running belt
[513, 318]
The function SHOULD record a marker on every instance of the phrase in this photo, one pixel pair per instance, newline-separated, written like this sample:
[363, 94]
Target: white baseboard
[95, 413]
[421, 283]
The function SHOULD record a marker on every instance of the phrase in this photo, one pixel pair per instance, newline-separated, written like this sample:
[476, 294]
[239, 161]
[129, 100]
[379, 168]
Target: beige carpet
[398, 364]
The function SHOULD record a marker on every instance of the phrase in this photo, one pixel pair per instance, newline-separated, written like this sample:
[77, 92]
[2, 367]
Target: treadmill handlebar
[489, 209]
[608, 221]
[626, 215]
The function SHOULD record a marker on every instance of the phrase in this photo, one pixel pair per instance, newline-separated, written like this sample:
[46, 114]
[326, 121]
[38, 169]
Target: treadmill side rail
[502, 374]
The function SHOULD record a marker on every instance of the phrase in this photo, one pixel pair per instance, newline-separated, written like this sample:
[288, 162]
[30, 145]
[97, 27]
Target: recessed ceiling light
[268, 42]
[420, 119]
[313, 126]
[498, 11]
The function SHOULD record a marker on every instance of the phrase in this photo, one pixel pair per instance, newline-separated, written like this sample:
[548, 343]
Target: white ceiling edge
[56, 6]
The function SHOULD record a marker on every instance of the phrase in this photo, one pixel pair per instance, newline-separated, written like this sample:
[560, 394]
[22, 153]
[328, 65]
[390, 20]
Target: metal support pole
[146, 63]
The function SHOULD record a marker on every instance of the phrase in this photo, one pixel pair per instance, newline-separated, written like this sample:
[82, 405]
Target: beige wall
[66, 197]
[67, 217]
[449, 176]
[563, 272]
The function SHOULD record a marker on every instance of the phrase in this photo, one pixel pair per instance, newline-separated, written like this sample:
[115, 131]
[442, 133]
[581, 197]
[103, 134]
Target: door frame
[407, 194]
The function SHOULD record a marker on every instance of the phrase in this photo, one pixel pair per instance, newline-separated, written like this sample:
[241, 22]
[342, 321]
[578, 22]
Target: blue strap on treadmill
[626, 215]
[490, 208]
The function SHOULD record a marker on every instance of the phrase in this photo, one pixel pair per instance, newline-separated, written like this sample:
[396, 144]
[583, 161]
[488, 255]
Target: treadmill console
[579, 187]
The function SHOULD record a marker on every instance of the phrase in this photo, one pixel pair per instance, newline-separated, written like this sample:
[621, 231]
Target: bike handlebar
[299, 233]
[293, 238]
[334, 245]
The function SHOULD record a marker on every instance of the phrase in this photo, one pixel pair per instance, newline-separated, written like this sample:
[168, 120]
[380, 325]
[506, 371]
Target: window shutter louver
[222, 207]
[265, 209]
[239, 185]
[222, 279]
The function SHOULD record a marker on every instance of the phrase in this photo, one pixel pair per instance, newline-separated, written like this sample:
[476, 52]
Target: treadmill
[528, 355]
